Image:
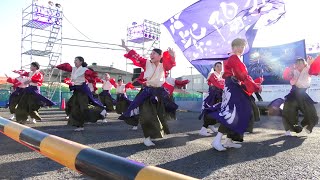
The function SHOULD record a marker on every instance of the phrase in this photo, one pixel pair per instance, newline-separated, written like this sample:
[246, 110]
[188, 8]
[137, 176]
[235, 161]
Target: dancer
[299, 76]
[105, 96]
[97, 113]
[81, 96]
[255, 110]
[18, 85]
[123, 102]
[31, 99]
[150, 100]
[216, 85]
[170, 106]
[134, 120]
[92, 83]
[235, 111]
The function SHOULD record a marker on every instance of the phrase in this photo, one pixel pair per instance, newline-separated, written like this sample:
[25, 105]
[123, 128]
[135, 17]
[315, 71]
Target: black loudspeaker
[136, 71]
[136, 74]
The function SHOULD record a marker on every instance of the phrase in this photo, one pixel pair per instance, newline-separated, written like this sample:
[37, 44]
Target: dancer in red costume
[150, 100]
[216, 85]
[170, 106]
[78, 104]
[235, 111]
[299, 76]
[92, 83]
[31, 99]
[105, 96]
[122, 101]
[18, 85]
[134, 120]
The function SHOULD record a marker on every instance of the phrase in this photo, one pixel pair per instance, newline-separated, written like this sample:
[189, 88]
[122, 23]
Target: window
[197, 80]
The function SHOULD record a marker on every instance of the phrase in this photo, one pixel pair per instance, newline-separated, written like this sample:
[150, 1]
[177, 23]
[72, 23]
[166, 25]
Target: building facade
[101, 70]
[197, 83]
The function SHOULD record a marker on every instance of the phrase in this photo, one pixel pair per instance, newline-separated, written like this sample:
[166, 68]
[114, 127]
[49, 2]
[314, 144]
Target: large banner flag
[270, 62]
[204, 31]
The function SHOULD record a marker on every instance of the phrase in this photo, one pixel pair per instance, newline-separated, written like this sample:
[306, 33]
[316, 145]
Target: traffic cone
[63, 104]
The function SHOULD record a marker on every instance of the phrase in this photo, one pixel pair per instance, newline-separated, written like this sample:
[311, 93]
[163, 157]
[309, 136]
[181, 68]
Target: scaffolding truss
[143, 38]
[42, 42]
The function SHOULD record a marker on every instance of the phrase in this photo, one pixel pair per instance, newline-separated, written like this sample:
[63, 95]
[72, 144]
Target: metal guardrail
[78, 157]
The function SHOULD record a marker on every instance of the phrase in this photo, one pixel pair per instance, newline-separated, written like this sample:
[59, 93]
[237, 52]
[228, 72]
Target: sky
[107, 21]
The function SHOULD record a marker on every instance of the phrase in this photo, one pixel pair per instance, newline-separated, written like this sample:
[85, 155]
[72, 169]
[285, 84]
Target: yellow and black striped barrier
[89, 161]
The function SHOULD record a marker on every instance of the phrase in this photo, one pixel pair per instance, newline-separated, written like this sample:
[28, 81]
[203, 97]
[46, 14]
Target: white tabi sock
[213, 129]
[147, 141]
[288, 133]
[204, 132]
[230, 144]
[103, 113]
[12, 117]
[216, 144]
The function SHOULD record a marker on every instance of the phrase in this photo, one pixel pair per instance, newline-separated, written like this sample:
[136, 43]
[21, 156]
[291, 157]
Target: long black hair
[81, 59]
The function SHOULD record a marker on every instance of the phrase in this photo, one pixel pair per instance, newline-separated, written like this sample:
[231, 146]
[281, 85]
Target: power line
[71, 39]
[91, 41]
[78, 29]
[76, 45]
[93, 47]
[97, 42]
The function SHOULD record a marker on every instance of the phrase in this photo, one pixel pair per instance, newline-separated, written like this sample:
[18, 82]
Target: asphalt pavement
[265, 154]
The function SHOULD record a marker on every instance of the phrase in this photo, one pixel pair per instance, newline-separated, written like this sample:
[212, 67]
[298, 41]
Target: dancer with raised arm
[299, 76]
[149, 103]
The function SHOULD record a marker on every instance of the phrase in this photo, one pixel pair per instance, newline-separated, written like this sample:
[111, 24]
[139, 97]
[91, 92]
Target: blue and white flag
[204, 31]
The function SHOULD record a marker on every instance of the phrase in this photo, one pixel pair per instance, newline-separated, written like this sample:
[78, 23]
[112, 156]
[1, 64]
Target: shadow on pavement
[205, 162]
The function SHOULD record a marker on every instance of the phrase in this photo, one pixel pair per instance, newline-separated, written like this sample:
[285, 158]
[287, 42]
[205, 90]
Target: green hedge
[66, 94]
